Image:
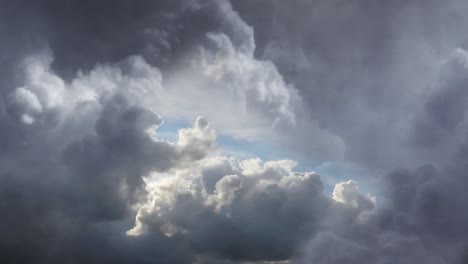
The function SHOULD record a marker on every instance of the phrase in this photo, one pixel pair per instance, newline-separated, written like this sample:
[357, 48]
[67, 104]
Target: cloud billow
[86, 176]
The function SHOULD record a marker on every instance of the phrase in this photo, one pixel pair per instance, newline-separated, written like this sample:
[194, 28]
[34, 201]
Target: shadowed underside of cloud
[85, 86]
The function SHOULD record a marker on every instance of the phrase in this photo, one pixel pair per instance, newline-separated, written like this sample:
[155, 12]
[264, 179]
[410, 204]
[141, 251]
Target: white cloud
[244, 96]
[28, 99]
[348, 193]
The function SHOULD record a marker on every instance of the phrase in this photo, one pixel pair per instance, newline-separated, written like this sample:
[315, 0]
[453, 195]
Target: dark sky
[87, 175]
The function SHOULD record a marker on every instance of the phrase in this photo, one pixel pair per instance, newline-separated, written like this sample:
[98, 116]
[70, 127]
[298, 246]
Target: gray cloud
[362, 67]
[440, 125]
[423, 221]
[86, 85]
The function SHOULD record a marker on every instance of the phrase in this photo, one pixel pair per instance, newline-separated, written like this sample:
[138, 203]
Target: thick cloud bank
[86, 163]
[86, 88]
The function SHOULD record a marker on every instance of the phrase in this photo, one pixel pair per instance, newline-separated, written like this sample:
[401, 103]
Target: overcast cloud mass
[229, 132]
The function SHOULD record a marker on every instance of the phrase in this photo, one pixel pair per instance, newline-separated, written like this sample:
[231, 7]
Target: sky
[233, 131]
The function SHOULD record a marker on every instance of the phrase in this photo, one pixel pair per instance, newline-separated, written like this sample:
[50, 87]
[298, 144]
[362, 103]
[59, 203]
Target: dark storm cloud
[67, 184]
[66, 193]
[361, 66]
[421, 218]
[423, 222]
[82, 33]
[85, 178]
[389, 79]
[441, 124]
[167, 35]
[76, 146]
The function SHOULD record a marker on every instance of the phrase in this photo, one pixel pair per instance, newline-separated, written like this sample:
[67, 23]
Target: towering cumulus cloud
[146, 131]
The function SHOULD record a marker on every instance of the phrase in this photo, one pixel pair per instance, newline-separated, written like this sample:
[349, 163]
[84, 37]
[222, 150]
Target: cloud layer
[86, 87]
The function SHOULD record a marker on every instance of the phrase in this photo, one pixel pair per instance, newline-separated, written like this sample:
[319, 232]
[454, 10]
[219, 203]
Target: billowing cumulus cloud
[90, 89]
[91, 163]
[363, 67]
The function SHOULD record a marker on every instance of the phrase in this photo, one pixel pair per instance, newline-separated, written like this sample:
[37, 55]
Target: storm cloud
[90, 91]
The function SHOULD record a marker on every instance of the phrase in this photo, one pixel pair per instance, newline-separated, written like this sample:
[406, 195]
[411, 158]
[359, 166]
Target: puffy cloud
[420, 218]
[257, 82]
[105, 165]
[203, 48]
[257, 211]
[73, 174]
[224, 78]
[417, 224]
[229, 79]
[85, 177]
[348, 193]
